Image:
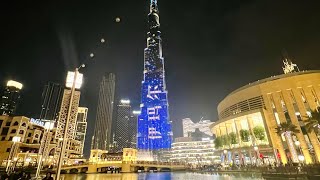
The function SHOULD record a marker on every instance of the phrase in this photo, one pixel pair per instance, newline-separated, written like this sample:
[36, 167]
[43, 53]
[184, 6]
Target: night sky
[211, 47]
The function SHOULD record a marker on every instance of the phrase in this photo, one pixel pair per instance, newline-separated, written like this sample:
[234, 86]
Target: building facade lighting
[70, 79]
[125, 101]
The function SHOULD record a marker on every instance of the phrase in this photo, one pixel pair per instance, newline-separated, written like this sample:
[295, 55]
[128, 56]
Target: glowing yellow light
[70, 79]
[15, 84]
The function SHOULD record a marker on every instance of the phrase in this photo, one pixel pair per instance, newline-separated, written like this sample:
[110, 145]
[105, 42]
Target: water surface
[164, 176]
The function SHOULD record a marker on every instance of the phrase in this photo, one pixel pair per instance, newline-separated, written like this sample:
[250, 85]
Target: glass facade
[154, 126]
[194, 152]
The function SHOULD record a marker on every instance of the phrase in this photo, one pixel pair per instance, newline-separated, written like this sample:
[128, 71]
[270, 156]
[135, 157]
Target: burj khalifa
[154, 125]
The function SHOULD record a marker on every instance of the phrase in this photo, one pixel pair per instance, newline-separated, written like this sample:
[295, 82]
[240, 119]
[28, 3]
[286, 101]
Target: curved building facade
[250, 115]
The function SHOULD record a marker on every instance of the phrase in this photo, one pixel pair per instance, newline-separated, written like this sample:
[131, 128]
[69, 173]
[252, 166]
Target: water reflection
[164, 176]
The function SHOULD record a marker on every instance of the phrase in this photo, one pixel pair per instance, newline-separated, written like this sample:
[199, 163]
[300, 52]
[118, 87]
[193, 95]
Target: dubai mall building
[265, 121]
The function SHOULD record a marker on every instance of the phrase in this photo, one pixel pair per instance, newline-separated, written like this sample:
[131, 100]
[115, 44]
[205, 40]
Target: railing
[160, 163]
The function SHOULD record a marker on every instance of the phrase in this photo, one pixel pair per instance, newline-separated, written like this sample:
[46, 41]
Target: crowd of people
[22, 176]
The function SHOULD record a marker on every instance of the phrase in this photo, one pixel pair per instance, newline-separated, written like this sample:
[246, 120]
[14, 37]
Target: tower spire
[153, 6]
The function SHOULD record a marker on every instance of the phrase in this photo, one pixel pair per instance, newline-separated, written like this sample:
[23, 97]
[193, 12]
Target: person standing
[48, 176]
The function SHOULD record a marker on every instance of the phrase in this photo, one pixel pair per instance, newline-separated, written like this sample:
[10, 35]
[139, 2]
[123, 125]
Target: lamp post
[64, 141]
[256, 149]
[15, 139]
[76, 83]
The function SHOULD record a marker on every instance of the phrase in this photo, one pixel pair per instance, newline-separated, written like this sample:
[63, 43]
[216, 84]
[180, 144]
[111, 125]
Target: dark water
[163, 176]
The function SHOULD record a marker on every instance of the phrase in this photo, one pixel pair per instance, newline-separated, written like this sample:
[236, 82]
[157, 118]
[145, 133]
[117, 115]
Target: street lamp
[74, 81]
[256, 149]
[15, 139]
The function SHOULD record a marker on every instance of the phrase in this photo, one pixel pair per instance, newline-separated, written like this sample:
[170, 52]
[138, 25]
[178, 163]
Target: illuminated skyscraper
[10, 98]
[122, 128]
[102, 131]
[154, 125]
[51, 101]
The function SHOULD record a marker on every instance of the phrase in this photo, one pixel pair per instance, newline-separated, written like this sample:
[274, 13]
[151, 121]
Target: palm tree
[287, 128]
[313, 122]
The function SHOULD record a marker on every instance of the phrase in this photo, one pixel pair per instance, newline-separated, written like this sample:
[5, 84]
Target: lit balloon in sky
[118, 19]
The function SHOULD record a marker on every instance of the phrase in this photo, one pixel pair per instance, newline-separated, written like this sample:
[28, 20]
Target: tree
[218, 143]
[313, 122]
[233, 138]
[287, 127]
[226, 140]
[244, 135]
[259, 133]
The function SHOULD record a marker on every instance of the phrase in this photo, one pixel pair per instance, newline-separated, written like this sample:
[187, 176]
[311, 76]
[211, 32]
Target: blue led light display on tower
[154, 125]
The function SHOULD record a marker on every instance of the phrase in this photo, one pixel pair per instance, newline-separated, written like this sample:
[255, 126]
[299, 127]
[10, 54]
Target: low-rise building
[21, 139]
[265, 121]
[194, 152]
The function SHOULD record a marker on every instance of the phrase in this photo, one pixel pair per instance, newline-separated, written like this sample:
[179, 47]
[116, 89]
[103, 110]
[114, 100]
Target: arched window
[16, 123]
[29, 135]
[21, 132]
[13, 131]
[37, 135]
[24, 124]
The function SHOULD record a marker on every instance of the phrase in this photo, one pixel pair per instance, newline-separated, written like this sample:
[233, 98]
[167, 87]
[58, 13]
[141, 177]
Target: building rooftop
[273, 78]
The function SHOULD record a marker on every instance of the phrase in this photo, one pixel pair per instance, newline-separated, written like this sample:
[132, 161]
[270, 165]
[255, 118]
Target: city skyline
[199, 77]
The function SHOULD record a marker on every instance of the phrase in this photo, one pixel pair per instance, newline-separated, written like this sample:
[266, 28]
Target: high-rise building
[51, 101]
[81, 126]
[70, 101]
[122, 128]
[133, 122]
[10, 98]
[154, 125]
[102, 131]
[189, 126]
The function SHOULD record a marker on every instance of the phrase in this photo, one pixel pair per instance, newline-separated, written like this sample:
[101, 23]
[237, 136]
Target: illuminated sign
[125, 101]
[49, 125]
[136, 112]
[37, 122]
[70, 79]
